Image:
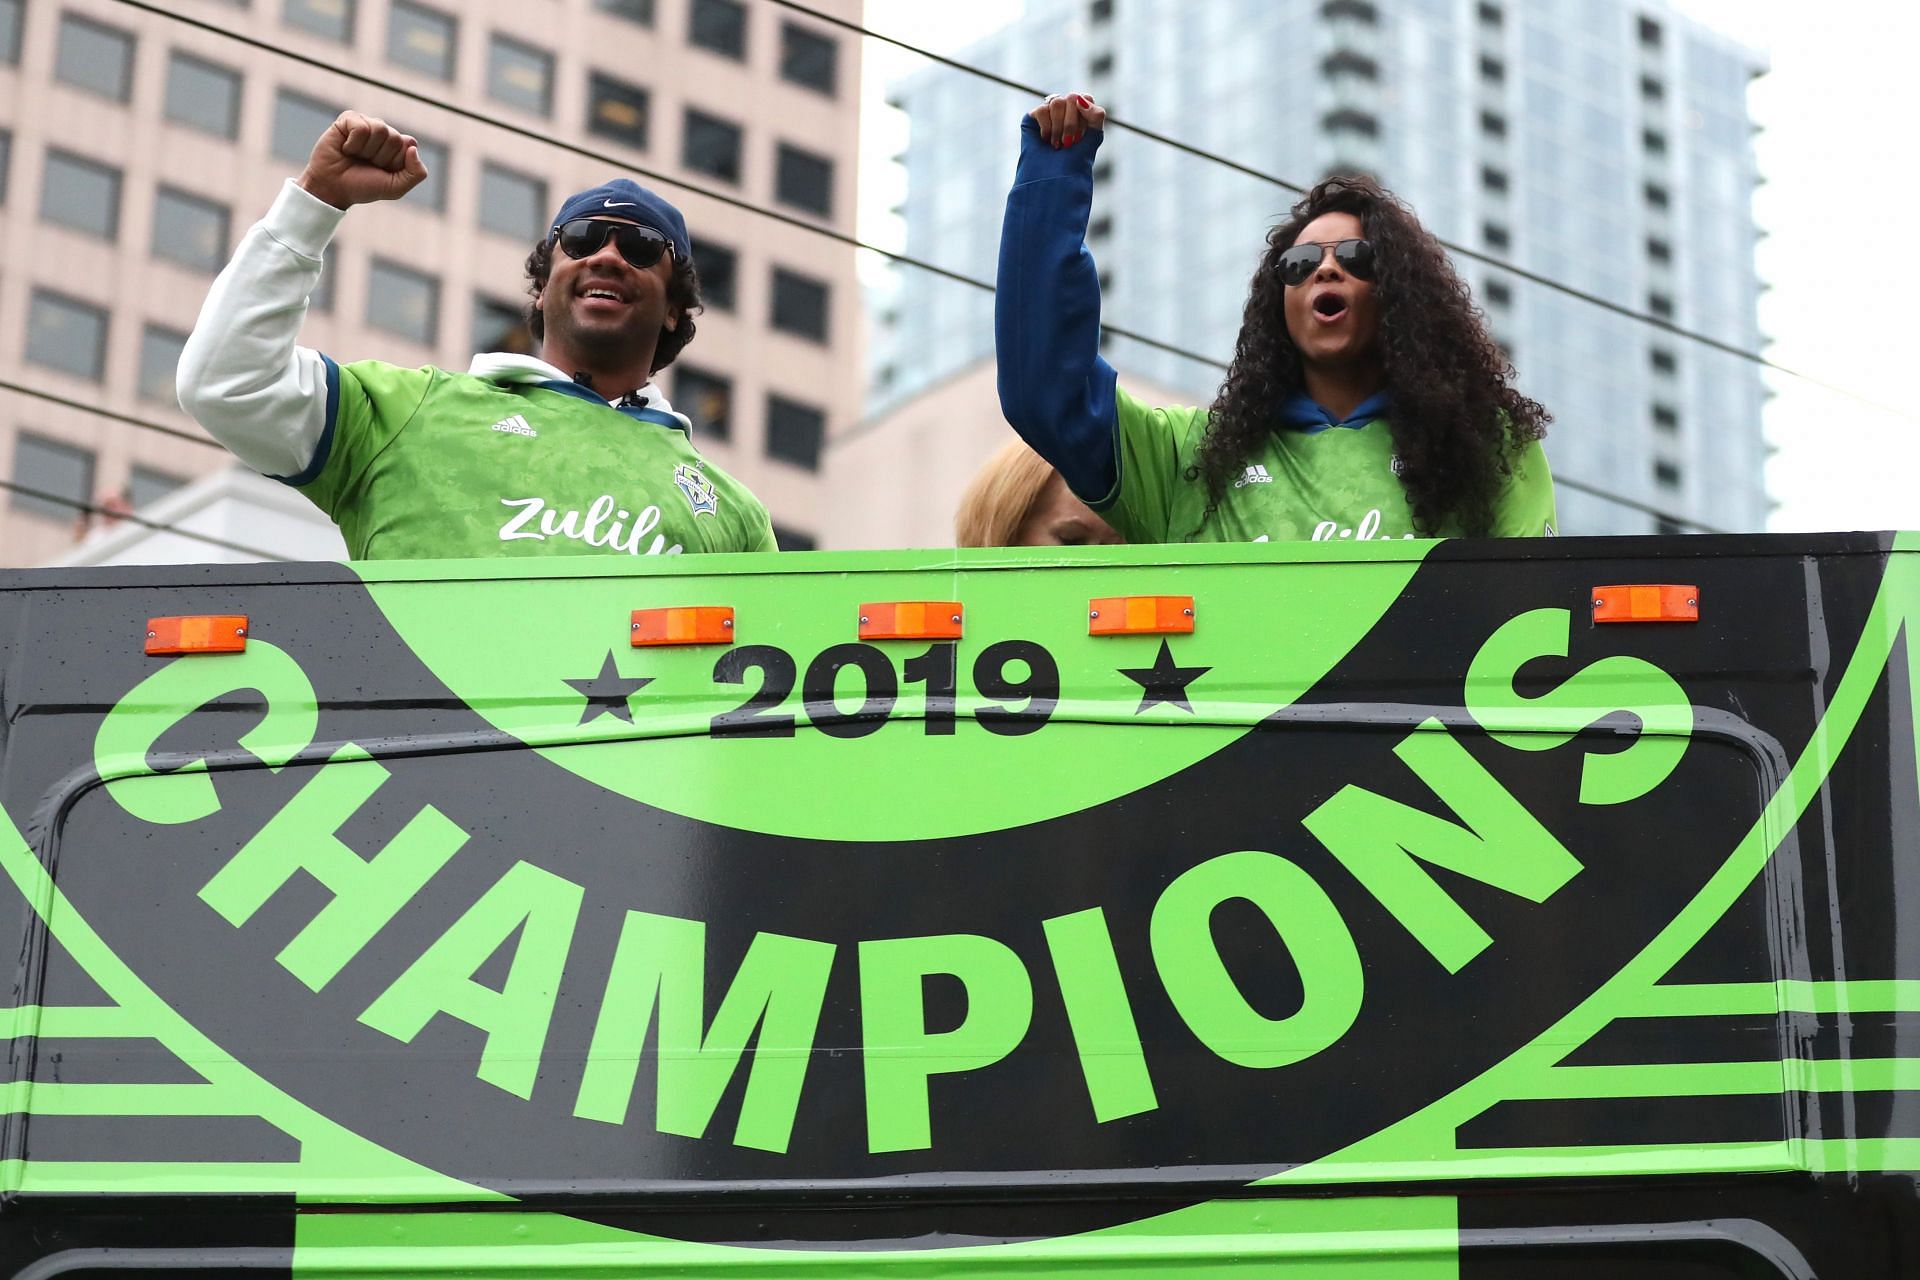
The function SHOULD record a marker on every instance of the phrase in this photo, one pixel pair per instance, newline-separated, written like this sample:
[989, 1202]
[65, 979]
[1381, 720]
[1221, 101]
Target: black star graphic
[1164, 681]
[607, 693]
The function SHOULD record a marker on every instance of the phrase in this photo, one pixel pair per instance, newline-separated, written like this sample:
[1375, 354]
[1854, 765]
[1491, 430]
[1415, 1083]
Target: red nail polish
[1083, 100]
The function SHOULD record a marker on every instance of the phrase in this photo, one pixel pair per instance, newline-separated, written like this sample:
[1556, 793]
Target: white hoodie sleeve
[242, 375]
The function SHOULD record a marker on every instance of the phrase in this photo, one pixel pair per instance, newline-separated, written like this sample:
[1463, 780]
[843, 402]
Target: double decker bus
[1408, 910]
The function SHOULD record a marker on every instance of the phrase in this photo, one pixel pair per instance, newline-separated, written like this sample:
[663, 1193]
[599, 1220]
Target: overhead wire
[7, 384]
[1644, 508]
[1465, 251]
[90, 508]
[69, 402]
[778, 215]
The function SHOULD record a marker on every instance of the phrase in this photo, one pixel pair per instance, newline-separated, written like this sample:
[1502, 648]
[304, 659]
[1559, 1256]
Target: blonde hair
[999, 497]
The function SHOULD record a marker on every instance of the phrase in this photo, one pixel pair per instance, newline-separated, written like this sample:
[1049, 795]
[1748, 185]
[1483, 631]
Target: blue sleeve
[1055, 389]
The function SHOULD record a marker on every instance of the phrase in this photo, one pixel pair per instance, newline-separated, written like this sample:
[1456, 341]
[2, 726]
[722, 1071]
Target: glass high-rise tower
[1603, 143]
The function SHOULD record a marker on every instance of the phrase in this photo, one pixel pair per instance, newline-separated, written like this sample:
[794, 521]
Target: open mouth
[1329, 306]
[602, 293]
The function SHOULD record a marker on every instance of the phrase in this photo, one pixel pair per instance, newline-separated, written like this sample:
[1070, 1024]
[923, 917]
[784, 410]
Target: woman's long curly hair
[1456, 423]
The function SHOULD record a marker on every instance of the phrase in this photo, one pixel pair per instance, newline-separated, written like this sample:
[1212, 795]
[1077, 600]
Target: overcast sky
[1838, 111]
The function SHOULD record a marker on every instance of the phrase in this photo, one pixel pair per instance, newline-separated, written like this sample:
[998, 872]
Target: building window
[160, 350]
[95, 57]
[1660, 305]
[432, 191]
[1666, 474]
[146, 486]
[55, 468]
[617, 110]
[794, 432]
[203, 94]
[1663, 361]
[1654, 141]
[718, 267]
[298, 122]
[67, 334]
[809, 58]
[1656, 195]
[321, 299]
[1496, 236]
[403, 301]
[1652, 90]
[1100, 64]
[1349, 62]
[1659, 250]
[1493, 124]
[800, 304]
[1650, 33]
[803, 180]
[710, 145]
[1491, 15]
[1349, 120]
[1358, 10]
[706, 398]
[1101, 227]
[719, 25]
[1492, 70]
[792, 539]
[512, 203]
[1100, 11]
[10, 14]
[189, 230]
[520, 75]
[81, 195]
[330, 18]
[1499, 293]
[498, 325]
[1666, 418]
[422, 38]
[640, 11]
[1493, 179]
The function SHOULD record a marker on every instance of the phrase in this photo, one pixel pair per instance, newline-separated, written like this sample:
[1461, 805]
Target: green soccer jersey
[424, 463]
[1332, 485]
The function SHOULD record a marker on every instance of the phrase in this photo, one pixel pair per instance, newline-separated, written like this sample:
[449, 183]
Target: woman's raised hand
[1065, 118]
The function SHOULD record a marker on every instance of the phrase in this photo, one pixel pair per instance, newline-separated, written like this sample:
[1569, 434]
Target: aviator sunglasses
[1302, 260]
[583, 237]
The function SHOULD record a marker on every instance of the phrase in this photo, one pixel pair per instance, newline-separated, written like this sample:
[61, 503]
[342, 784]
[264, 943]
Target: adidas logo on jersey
[1256, 474]
[516, 426]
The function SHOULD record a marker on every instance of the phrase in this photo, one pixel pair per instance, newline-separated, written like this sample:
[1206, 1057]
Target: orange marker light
[911, 620]
[199, 633]
[1140, 616]
[691, 624]
[1646, 602]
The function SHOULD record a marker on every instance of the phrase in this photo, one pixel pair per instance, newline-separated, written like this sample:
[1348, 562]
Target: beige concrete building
[134, 151]
[897, 477]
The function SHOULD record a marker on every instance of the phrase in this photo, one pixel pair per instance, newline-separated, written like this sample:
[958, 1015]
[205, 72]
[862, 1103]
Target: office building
[135, 149]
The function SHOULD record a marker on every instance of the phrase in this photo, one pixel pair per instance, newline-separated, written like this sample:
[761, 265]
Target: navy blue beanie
[625, 198]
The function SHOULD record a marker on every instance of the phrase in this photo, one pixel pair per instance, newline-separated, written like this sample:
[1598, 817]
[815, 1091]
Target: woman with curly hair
[1365, 399]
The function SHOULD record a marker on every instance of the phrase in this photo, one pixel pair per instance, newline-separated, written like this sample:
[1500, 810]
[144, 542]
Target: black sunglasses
[1302, 260]
[583, 237]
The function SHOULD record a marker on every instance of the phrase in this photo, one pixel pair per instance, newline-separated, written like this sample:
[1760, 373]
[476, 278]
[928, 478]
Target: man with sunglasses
[573, 452]
[1365, 399]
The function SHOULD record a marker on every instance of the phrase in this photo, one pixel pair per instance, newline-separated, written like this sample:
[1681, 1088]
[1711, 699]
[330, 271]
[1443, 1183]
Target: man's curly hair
[1456, 423]
[683, 291]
